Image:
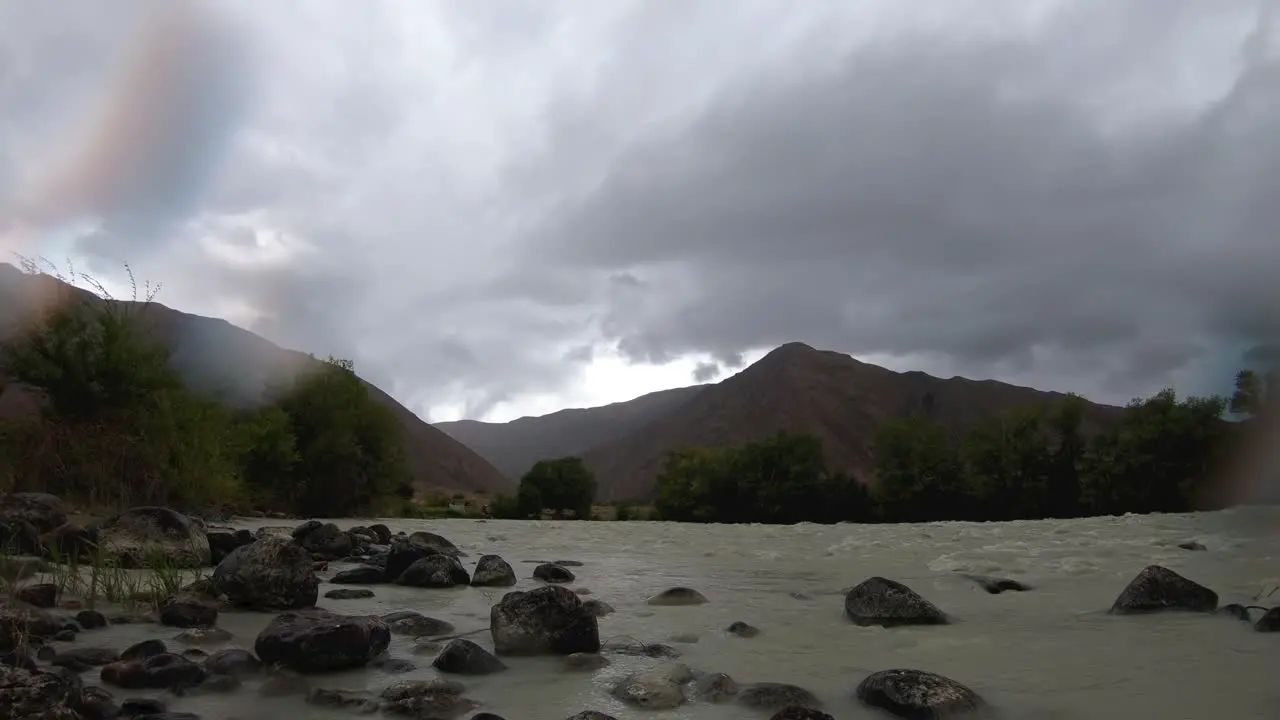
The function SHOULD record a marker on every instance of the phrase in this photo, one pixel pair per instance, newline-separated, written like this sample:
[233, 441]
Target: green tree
[1007, 462]
[350, 448]
[563, 484]
[919, 472]
[1253, 391]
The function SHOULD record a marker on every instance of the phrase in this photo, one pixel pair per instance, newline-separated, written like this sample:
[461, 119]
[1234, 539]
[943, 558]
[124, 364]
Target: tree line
[119, 427]
[1161, 454]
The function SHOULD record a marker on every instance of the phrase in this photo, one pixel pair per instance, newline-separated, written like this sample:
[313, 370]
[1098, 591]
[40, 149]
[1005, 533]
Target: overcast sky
[505, 207]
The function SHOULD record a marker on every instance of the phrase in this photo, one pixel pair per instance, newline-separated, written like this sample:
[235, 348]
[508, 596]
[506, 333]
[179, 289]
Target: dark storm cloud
[977, 201]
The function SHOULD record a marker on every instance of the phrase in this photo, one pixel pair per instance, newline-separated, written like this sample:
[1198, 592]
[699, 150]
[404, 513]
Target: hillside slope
[236, 365]
[513, 447]
[798, 388]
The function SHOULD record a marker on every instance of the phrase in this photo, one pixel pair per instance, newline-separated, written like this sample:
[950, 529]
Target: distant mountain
[793, 388]
[236, 366]
[513, 447]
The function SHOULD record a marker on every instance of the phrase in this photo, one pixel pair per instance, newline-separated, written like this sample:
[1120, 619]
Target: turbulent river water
[1052, 653]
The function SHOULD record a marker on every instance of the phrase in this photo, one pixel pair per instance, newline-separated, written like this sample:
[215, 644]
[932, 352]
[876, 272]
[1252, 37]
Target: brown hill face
[236, 366]
[513, 447]
[798, 388]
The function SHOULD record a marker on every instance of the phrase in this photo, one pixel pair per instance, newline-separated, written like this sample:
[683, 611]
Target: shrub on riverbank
[119, 428]
[1160, 457]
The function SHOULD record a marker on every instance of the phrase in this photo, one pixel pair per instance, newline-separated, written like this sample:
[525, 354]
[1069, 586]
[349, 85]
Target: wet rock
[416, 688]
[598, 608]
[382, 532]
[1158, 589]
[91, 619]
[435, 542]
[401, 555]
[349, 594]
[415, 624]
[316, 640]
[775, 696]
[742, 630]
[66, 635]
[28, 695]
[42, 511]
[660, 688]
[394, 666]
[591, 715]
[19, 622]
[156, 672]
[233, 661]
[714, 688]
[1269, 622]
[41, 595]
[548, 620]
[585, 661]
[96, 703]
[363, 575]
[69, 542]
[1192, 545]
[918, 694]
[325, 541]
[548, 572]
[493, 571]
[270, 574]
[143, 650]
[147, 536]
[639, 649]
[486, 715]
[434, 571]
[426, 699]
[678, 596]
[195, 655]
[463, 657]
[355, 701]
[81, 658]
[141, 706]
[888, 603]
[188, 610]
[995, 585]
[203, 636]
[798, 712]
[223, 542]
[1234, 610]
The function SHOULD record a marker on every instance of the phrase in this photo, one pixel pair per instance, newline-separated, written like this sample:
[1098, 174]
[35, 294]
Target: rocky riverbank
[53, 667]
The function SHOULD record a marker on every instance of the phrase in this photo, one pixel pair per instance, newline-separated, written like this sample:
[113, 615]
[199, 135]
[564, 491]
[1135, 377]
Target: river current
[1052, 653]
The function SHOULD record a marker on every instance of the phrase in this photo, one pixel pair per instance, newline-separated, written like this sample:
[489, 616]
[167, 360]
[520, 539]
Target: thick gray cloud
[474, 200]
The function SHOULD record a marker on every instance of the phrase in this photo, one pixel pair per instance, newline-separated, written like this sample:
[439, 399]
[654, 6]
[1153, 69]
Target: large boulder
[434, 571]
[888, 603]
[43, 511]
[33, 695]
[493, 571]
[154, 536]
[1158, 589]
[325, 541]
[269, 574]
[401, 555]
[918, 694]
[316, 640]
[549, 620]
[432, 541]
[222, 542]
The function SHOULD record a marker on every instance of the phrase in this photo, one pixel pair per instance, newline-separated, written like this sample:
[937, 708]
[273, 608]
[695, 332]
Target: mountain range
[794, 388]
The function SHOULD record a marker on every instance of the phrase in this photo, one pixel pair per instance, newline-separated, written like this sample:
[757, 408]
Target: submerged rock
[151, 536]
[415, 624]
[591, 715]
[995, 585]
[434, 571]
[585, 661]
[659, 688]
[316, 640]
[677, 596]
[888, 603]
[714, 688]
[270, 574]
[1269, 622]
[463, 657]
[742, 630]
[798, 712]
[549, 620]
[349, 594]
[1235, 610]
[775, 696]
[363, 575]
[493, 571]
[1158, 589]
[233, 661]
[163, 671]
[187, 610]
[549, 572]
[916, 694]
